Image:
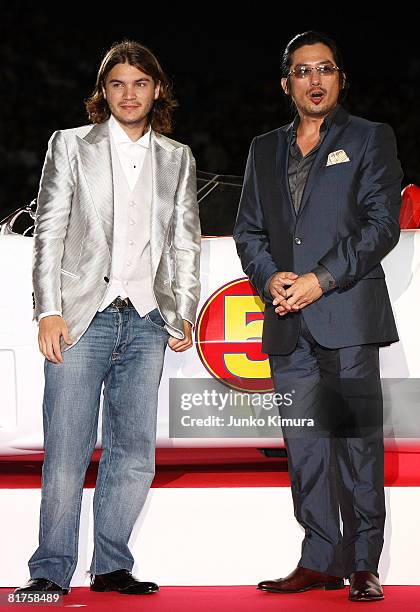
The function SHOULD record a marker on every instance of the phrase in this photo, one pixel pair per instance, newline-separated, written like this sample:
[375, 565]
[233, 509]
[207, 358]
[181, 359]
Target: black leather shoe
[123, 582]
[41, 585]
[365, 586]
[300, 580]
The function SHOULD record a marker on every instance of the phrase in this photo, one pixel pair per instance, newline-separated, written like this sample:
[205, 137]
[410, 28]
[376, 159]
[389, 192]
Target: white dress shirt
[131, 273]
[130, 153]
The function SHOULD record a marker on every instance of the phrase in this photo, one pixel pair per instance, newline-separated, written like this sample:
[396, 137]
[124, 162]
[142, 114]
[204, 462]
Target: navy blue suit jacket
[348, 221]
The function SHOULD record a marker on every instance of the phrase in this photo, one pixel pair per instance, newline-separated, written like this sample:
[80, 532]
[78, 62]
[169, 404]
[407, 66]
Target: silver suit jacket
[74, 229]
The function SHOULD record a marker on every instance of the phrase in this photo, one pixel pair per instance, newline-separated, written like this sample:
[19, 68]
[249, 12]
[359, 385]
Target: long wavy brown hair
[135, 54]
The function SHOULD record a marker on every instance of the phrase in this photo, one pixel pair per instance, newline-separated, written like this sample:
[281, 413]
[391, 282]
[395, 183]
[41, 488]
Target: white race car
[226, 356]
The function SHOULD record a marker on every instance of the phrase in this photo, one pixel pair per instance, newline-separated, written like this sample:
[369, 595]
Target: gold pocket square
[337, 157]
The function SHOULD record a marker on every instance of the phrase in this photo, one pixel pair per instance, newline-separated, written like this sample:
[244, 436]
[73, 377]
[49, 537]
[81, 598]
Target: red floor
[232, 599]
[234, 467]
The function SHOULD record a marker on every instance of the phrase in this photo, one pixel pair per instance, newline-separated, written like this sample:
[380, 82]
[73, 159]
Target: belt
[121, 303]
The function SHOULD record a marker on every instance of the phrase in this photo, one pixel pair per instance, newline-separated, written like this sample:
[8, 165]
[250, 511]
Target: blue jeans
[125, 352]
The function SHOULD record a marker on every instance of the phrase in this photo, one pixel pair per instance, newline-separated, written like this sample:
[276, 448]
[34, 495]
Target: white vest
[131, 269]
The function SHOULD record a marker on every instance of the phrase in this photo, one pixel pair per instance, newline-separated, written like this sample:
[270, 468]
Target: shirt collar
[325, 125]
[119, 136]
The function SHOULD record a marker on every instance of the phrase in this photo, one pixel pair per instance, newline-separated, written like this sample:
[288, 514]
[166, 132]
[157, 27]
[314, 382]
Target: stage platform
[213, 517]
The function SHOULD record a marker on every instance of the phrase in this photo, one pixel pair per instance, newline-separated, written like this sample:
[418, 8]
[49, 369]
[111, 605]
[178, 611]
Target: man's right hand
[276, 287]
[51, 328]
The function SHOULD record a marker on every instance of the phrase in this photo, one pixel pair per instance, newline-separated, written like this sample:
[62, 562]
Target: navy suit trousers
[336, 467]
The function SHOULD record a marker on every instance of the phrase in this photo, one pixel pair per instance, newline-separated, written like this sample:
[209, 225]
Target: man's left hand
[303, 292]
[178, 345]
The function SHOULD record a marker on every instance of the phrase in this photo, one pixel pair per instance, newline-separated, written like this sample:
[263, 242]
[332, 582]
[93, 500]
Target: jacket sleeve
[378, 201]
[186, 241]
[52, 214]
[250, 233]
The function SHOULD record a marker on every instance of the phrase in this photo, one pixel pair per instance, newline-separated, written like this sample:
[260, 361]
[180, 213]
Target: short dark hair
[311, 37]
[135, 54]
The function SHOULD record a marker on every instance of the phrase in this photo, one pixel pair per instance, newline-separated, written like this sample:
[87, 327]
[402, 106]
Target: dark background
[225, 72]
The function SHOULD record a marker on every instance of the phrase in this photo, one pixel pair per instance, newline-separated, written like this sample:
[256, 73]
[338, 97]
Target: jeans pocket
[155, 318]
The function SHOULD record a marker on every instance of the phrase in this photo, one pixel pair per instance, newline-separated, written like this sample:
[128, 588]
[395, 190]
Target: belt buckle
[120, 303]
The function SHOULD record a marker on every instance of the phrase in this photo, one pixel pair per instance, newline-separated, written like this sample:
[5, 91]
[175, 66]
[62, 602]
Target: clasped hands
[301, 291]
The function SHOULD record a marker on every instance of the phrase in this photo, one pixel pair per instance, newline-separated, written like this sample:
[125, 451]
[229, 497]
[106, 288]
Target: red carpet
[209, 467]
[233, 599]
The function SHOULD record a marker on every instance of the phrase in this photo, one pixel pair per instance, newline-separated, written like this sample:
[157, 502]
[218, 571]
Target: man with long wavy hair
[115, 277]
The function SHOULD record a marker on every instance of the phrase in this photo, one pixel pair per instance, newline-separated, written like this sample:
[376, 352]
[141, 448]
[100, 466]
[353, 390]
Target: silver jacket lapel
[95, 154]
[166, 165]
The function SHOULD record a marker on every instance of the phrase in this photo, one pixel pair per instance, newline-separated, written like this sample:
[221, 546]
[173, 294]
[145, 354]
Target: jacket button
[106, 279]
[298, 240]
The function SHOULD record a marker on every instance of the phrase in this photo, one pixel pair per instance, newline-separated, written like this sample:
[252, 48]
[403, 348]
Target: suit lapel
[95, 155]
[282, 162]
[339, 122]
[166, 166]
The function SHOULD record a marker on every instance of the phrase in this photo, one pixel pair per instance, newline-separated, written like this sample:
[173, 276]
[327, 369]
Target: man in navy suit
[319, 210]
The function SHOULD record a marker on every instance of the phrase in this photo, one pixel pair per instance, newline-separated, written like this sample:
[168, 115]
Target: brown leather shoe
[365, 586]
[300, 580]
